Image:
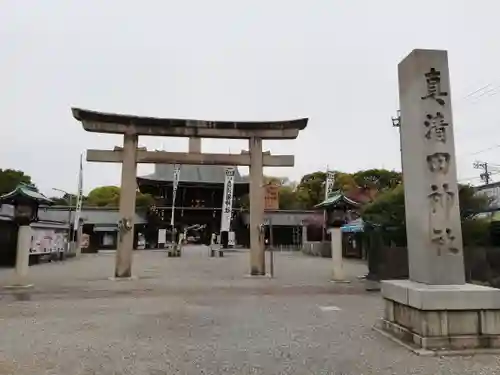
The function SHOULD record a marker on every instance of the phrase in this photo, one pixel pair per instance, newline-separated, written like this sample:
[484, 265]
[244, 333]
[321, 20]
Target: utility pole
[486, 175]
[396, 122]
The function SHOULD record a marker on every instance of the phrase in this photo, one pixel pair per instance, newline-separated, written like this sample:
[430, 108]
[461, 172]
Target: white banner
[231, 241]
[162, 236]
[227, 200]
[330, 180]
[177, 175]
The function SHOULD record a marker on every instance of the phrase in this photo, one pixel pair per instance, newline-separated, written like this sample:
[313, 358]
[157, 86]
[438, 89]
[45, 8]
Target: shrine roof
[200, 174]
[336, 199]
[102, 122]
[25, 191]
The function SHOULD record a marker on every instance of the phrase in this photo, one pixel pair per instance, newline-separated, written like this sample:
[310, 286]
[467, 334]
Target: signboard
[46, 241]
[162, 236]
[227, 199]
[271, 197]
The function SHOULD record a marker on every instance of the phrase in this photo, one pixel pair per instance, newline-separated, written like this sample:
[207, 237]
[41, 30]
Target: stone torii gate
[133, 126]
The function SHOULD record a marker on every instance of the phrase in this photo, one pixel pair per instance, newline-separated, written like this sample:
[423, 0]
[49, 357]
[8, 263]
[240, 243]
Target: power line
[486, 149]
[481, 151]
[478, 90]
[486, 94]
[486, 90]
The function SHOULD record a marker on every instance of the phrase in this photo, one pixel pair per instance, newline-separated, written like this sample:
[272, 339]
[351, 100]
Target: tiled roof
[335, 199]
[208, 174]
[26, 191]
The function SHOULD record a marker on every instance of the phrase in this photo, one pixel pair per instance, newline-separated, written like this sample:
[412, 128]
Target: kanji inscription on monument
[434, 92]
[435, 125]
[428, 151]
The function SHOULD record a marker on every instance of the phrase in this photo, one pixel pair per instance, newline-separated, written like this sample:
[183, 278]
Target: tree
[10, 178]
[471, 203]
[388, 209]
[380, 179]
[144, 200]
[288, 198]
[109, 196]
[344, 182]
[104, 196]
[311, 189]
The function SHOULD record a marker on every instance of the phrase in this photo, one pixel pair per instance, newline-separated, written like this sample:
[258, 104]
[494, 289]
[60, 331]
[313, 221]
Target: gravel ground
[200, 315]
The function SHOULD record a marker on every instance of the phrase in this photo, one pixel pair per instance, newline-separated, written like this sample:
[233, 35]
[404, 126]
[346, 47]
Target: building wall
[492, 191]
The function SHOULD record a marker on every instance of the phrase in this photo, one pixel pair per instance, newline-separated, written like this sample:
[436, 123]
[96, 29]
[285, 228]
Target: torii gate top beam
[101, 122]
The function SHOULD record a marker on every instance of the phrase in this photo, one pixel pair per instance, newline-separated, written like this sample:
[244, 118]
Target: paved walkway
[200, 315]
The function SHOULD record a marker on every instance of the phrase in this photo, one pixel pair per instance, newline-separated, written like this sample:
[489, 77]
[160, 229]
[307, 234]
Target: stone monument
[435, 310]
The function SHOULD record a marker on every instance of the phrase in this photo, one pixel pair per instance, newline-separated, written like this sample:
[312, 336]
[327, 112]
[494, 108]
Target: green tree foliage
[471, 203]
[476, 232]
[344, 181]
[311, 189]
[10, 178]
[388, 208]
[104, 196]
[109, 196]
[288, 198]
[381, 179]
[144, 200]
[388, 211]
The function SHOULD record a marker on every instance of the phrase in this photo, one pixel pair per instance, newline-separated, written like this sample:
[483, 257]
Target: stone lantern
[25, 199]
[339, 210]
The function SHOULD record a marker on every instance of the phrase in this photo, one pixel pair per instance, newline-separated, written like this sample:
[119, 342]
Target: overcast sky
[330, 60]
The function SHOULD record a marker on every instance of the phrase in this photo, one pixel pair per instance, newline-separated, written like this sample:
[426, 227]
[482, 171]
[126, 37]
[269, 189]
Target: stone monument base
[435, 319]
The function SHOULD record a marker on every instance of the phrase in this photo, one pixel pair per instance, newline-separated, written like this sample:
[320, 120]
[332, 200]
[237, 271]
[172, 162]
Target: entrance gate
[129, 156]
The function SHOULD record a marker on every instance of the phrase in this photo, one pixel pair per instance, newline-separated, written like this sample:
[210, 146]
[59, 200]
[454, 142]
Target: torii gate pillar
[123, 267]
[257, 255]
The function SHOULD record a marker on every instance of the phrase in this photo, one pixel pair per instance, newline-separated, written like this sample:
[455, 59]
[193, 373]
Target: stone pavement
[201, 315]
